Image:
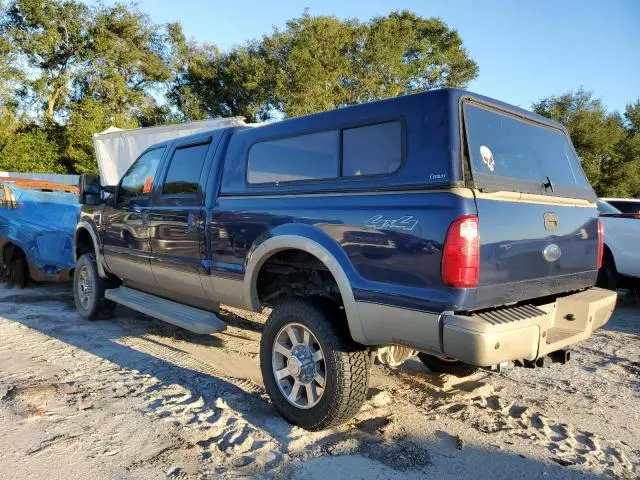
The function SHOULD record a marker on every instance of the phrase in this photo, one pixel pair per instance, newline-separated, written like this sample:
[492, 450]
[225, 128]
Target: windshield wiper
[548, 184]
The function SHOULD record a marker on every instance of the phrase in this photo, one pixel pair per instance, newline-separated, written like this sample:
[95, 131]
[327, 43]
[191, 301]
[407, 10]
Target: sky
[526, 50]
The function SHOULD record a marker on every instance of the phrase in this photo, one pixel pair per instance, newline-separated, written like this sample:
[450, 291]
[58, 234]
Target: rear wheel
[447, 365]
[315, 375]
[89, 288]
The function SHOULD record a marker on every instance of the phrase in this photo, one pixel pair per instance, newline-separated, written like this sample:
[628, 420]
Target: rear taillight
[461, 253]
[600, 244]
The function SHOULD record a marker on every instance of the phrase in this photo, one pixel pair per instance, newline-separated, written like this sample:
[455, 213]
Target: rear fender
[315, 242]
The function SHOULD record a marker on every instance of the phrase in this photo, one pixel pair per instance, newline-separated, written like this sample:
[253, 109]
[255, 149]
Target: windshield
[537, 159]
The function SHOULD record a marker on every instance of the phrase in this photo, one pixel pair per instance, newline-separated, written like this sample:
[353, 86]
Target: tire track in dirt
[476, 402]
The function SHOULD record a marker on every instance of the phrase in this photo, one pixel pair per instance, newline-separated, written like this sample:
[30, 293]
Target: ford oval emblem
[551, 253]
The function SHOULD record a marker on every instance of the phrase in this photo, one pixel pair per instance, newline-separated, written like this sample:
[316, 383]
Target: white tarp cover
[117, 149]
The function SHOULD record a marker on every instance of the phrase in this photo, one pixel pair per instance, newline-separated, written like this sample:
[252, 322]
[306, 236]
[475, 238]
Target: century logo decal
[406, 223]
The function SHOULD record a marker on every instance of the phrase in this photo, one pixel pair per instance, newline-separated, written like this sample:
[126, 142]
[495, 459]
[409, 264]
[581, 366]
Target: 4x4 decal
[406, 223]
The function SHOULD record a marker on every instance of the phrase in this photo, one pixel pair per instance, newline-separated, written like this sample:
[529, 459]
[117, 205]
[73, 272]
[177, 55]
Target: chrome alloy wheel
[85, 287]
[298, 365]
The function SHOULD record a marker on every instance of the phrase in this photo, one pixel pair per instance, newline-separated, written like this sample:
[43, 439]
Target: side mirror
[90, 190]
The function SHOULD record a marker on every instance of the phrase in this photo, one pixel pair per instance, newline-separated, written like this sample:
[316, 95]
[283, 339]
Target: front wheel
[89, 287]
[314, 373]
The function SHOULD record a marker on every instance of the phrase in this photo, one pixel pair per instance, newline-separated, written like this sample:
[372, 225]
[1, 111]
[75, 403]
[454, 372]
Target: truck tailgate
[530, 250]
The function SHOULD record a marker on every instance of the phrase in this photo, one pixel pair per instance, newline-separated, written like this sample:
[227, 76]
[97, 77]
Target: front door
[127, 249]
[177, 222]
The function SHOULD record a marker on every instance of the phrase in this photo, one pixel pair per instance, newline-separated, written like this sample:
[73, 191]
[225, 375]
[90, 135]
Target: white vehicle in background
[625, 205]
[621, 262]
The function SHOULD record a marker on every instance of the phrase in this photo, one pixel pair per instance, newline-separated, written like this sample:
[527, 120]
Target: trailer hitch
[559, 356]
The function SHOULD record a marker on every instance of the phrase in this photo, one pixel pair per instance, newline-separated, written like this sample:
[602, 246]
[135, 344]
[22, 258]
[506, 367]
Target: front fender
[97, 246]
[315, 242]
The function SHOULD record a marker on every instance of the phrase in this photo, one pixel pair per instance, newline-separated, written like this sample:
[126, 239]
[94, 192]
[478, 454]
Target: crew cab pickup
[443, 222]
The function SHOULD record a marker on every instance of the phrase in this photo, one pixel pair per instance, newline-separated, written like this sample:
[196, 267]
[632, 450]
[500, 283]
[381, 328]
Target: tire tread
[352, 360]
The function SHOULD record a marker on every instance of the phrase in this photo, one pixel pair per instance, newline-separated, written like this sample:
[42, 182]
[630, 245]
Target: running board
[190, 318]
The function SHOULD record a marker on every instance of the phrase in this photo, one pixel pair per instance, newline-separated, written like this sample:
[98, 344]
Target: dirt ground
[131, 397]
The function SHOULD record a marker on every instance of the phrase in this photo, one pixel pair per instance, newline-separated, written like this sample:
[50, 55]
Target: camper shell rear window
[508, 152]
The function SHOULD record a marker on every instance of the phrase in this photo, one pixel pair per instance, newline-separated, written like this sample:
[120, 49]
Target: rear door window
[509, 153]
[185, 170]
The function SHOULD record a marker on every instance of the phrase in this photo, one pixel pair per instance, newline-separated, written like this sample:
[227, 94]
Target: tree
[209, 83]
[630, 148]
[10, 76]
[599, 138]
[403, 53]
[30, 152]
[83, 70]
[127, 63]
[313, 64]
[52, 38]
[318, 63]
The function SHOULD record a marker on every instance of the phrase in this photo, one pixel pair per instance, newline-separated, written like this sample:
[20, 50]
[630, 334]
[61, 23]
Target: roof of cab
[196, 136]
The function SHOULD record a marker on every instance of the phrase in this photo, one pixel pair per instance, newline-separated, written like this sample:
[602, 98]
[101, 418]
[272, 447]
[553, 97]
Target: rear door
[536, 209]
[177, 220]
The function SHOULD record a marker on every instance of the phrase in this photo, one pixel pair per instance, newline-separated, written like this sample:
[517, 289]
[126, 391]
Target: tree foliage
[28, 151]
[81, 70]
[318, 63]
[606, 142]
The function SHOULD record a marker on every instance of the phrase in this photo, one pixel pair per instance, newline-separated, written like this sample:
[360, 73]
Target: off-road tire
[451, 367]
[608, 274]
[347, 364]
[98, 306]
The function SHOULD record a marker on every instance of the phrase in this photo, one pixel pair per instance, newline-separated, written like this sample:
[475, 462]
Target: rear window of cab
[510, 153]
[375, 149]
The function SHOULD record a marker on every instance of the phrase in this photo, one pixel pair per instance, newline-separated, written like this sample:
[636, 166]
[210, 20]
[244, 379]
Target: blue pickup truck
[444, 223]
